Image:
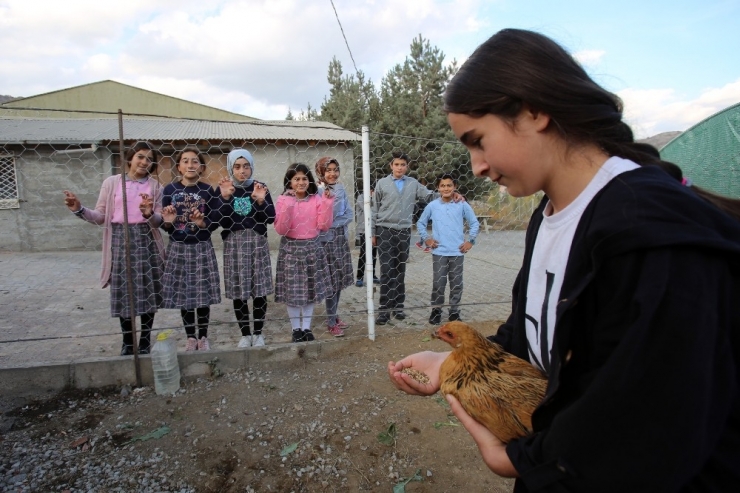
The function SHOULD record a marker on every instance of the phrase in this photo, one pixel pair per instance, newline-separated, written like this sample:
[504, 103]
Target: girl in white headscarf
[244, 209]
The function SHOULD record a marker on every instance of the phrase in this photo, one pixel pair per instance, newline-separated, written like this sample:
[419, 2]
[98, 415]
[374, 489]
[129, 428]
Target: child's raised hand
[71, 201]
[457, 197]
[328, 193]
[259, 192]
[146, 206]
[197, 218]
[227, 188]
[289, 192]
[169, 214]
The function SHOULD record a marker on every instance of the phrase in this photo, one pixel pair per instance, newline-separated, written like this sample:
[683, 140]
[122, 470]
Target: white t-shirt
[549, 259]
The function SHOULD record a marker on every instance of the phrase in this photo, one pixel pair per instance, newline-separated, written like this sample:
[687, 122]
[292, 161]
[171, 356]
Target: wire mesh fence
[54, 261]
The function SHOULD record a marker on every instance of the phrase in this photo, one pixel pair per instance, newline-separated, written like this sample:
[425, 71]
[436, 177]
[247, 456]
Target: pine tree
[352, 101]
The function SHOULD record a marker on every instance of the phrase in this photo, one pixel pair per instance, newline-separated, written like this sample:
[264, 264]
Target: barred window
[8, 183]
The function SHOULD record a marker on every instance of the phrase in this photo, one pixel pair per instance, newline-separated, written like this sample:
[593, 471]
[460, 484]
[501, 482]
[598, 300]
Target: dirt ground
[332, 424]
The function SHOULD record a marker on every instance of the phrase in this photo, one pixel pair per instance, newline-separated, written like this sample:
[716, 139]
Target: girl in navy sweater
[190, 282]
[243, 209]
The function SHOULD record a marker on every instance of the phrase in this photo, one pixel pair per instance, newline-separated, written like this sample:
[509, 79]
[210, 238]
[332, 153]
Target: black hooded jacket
[644, 384]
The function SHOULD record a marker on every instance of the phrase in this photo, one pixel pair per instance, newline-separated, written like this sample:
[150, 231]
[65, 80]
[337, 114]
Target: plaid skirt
[146, 271]
[339, 260]
[247, 266]
[302, 275]
[190, 276]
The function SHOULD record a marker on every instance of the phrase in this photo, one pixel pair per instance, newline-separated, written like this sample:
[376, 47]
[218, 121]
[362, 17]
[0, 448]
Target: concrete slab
[104, 372]
[34, 381]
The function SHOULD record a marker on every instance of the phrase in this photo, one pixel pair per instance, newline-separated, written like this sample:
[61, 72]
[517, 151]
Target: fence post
[127, 242]
[370, 285]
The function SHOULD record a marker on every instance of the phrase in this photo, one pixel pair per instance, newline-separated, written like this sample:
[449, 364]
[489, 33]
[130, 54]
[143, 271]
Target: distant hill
[6, 98]
[661, 139]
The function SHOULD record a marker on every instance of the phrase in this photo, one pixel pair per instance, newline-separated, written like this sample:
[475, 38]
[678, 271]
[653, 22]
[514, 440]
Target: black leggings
[147, 321]
[241, 310]
[188, 320]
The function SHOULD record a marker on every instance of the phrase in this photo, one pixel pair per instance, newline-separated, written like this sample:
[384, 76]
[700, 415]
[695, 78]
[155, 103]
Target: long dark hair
[515, 67]
[300, 168]
[143, 146]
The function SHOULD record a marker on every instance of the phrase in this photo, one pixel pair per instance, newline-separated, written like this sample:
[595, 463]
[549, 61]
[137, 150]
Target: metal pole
[127, 243]
[369, 285]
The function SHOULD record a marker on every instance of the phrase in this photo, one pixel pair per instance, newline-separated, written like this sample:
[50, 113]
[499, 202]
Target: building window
[8, 183]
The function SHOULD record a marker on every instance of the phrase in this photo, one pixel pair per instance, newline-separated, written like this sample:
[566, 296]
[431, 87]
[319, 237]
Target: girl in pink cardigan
[302, 277]
[144, 199]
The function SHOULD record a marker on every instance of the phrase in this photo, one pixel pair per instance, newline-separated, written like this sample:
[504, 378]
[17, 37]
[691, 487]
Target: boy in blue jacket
[448, 245]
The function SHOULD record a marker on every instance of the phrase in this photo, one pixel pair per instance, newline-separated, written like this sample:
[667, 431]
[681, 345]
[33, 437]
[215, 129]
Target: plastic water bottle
[164, 364]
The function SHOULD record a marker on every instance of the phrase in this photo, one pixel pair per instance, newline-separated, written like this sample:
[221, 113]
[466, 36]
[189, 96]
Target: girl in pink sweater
[144, 197]
[302, 277]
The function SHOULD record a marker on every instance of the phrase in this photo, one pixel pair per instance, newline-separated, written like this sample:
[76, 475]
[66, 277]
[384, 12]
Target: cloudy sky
[674, 63]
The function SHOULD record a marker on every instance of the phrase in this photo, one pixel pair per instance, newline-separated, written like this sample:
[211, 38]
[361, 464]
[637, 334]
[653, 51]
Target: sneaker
[454, 316]
[382, 319]
[298, 336]
[376, 280]
[336, 331]
[127, 350]
[192, 344]
[245, 341]
[203, 344]
[399, 315]
[145, 350]
[436, 317]
[342, 324]
[359, 283]
[258, 340]
[421, 246]
[308, 336]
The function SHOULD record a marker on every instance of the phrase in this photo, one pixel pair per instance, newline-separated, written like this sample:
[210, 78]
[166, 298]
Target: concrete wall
[43, 222]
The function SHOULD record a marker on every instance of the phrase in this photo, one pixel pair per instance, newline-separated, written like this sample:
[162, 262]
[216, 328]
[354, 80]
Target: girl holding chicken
[627, 294]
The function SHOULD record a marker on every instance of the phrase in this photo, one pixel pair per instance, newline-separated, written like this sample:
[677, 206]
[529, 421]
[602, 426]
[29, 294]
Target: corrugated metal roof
[88, 131]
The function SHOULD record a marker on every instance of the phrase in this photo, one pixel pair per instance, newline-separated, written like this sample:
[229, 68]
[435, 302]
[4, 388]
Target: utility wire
[345, 37]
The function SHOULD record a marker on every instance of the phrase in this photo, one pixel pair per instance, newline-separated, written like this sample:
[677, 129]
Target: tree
[407, 113]
[412, 92]
[413, 106]
[310, 115]
[352, 102]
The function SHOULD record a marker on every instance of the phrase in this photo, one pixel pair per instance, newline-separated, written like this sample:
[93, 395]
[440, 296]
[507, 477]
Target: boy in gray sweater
[393, 208]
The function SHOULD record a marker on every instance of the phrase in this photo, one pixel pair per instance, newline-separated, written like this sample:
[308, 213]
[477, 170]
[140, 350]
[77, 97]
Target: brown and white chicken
[496, 388]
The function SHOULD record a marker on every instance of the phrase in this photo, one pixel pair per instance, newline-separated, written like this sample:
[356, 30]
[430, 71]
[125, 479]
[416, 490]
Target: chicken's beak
[435, 334]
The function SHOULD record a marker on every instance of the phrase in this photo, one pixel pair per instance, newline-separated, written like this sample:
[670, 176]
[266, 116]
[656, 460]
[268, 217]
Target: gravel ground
[332, 424]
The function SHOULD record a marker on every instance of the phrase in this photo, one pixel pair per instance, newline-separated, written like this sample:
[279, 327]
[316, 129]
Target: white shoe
[258, 341]
[245, 341]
